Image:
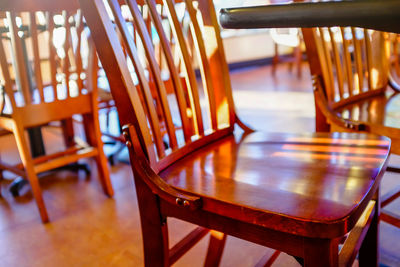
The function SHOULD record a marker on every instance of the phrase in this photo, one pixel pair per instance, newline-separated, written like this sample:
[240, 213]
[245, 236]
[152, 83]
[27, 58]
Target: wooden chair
[354, 88]
[295, 58]
[292, 38]
[298, 193]
[44, 82]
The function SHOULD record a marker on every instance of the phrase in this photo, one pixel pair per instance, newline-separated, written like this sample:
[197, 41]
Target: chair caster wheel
[111, 160]
[17, 185]
[86, 169]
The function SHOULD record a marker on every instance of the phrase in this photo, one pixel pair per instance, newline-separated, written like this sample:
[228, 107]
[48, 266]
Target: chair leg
[68, 132]
[297, 54]
[321, 252]
[275, 60]
[154, 227]
[369, 250]
[27, 161]
[93, 135]
[215, 249]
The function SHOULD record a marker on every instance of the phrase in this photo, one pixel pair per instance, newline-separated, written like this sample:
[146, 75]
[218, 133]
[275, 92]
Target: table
[377, 15]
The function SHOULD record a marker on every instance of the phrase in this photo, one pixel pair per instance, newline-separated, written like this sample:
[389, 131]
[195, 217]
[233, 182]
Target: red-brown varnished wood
[257, 179]
[215, 248]
[299, 193]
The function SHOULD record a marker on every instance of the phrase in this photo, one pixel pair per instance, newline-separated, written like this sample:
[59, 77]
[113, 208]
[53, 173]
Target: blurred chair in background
[289, 38]
[354, 90]
[46, 79]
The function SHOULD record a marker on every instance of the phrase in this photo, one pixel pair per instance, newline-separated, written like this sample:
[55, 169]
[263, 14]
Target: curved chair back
[352, 62]
[205, 111]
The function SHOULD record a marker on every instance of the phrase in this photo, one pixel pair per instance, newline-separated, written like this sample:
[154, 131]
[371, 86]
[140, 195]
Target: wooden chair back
[194, 114]
[351, 61]
[43, 61]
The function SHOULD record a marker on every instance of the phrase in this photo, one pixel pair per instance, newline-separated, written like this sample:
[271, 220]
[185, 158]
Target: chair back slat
[337, 62]
[52, 54]
[66, 60]
[396, 54]
[36, 56]
[8, 83]
[326, 58]
[160, 52]
[393, 66]
[347, 62]
[204, 64]
[368, 54]
[177, 85]
[155, 69]
[195, 114]
[21, 68]
[191, 83]
[218, 65]
[358, 60]
[77, 53]
[144, 85]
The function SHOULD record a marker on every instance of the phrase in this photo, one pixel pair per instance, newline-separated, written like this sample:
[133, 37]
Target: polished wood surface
[227, 185]
[45, 80]
[352, 67]
[355, 95]
[257, 179]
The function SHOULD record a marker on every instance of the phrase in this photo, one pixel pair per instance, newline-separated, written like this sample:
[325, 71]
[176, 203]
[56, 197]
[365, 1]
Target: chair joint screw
[179, 201]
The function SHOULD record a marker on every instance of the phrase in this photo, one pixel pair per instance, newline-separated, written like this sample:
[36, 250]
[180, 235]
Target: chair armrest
[142, 170]
[378, 15]
[329, 113]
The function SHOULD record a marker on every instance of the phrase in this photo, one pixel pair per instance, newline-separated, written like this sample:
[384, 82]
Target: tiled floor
[89, 229]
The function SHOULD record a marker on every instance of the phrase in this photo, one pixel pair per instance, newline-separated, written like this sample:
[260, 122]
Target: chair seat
[306, 184]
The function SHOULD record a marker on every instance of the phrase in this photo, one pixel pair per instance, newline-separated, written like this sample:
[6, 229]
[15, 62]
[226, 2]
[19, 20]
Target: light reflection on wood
[324, 156]
[339, 149]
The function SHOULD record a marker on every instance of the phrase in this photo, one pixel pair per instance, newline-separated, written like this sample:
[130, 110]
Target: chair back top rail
[195, 112]
[43, 5]
[377, 15]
